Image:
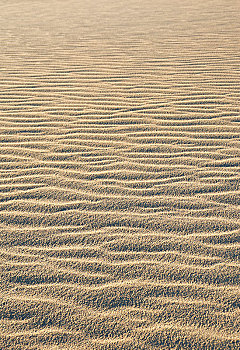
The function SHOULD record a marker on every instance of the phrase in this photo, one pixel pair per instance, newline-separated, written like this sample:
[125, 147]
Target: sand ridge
[119, 174]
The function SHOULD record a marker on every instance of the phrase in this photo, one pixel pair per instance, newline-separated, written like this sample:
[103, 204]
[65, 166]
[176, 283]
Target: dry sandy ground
[119, 174]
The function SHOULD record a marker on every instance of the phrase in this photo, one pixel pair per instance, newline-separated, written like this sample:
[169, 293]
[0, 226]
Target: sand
[119, 174]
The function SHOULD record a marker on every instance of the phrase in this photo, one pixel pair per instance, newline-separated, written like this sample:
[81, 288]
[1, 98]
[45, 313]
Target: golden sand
[119, 174]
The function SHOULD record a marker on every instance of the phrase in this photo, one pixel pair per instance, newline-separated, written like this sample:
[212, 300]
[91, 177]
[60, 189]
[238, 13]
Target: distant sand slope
[119, 174]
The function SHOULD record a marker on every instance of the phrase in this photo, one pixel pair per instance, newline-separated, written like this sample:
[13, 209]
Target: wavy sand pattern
[119, 174]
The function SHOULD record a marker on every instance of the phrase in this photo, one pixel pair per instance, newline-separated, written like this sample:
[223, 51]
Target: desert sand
[119, 174]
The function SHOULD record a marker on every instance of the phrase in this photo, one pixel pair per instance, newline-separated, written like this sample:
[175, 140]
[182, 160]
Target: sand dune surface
[119, 174]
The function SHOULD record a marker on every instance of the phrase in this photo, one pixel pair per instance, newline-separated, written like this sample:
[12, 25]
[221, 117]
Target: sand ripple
[119, 174]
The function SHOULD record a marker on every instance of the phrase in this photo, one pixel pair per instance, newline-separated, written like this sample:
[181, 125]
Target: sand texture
[119, 174]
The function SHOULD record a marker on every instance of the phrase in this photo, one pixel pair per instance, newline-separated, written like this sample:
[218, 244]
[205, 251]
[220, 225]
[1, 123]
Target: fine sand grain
[119, 174]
